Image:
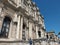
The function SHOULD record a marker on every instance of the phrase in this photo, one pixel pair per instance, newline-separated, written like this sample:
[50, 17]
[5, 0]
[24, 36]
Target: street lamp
[30, 41]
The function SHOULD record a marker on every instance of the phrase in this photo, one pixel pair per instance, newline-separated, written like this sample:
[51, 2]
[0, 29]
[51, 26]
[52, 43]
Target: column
[42, 33]
[27, 30]
[27, 34]
[21, 28]
[18, 26]
[10, 30]
[37, 32]
[1, 18]
[30, 30]
[1, 23]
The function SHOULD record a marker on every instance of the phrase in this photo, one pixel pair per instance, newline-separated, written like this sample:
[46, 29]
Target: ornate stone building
[20, 21]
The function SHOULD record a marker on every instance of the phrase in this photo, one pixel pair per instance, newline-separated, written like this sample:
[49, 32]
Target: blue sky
[50, 9]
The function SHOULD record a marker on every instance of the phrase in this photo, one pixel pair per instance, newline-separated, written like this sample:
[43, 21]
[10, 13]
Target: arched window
[39, 33]
[5, 27]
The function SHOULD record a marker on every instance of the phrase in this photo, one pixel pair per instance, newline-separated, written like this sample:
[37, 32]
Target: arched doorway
[5, 27]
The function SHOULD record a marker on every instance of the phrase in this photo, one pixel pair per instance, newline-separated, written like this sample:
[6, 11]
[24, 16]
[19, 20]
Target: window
[5, 27]
[23, 32]
[23, 26]
[51, 36]
[39, 33]
[47, 36]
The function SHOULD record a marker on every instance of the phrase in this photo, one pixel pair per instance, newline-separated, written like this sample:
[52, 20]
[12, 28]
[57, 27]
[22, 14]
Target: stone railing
[42, 41]
[45, 42]
[13, 42]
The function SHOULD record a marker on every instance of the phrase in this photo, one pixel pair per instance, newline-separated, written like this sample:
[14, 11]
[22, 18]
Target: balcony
[13, 5]
[39, 25]
[9, 2]
[35, 21]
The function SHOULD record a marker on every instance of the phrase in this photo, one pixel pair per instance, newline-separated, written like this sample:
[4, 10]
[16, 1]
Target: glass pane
[6, 30]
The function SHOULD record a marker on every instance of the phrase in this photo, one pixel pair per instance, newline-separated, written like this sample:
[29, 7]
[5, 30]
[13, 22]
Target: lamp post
[30, 41]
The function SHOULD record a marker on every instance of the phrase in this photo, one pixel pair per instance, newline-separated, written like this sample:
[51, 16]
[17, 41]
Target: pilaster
[21, 28]
[10, 31]
[42, 33]
[30, 30]
[37, 32]
[18, 27]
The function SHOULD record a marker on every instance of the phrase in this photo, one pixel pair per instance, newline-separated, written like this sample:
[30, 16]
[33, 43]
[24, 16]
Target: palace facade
[21, 23]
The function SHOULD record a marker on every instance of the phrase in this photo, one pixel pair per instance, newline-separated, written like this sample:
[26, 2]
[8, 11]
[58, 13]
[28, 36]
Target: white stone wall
[52, 43]
[43, 43]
